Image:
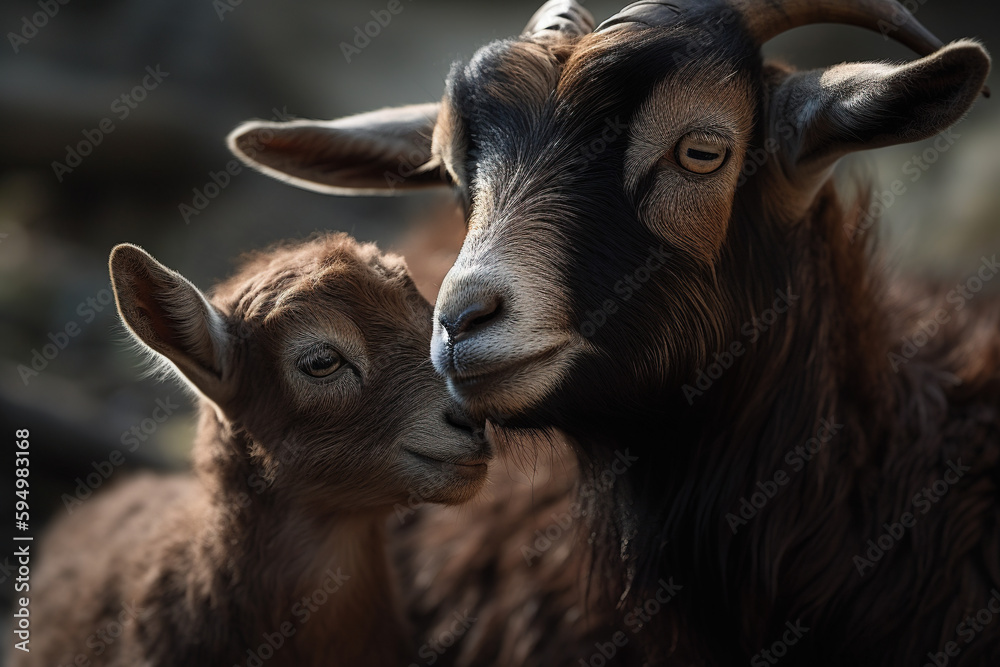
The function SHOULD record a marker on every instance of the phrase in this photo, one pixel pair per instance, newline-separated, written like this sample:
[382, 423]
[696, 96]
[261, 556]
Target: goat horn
[561, 18]
[766, 19]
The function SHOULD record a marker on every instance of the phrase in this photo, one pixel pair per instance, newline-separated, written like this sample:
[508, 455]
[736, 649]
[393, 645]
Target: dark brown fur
[281, 528]
[516, 562]
[828, 358]
[567, 194]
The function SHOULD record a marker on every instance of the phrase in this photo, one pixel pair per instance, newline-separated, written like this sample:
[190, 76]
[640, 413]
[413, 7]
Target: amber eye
[320, 362]
[700, 155]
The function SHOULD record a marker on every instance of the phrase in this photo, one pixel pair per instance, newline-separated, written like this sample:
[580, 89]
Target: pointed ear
[171, 317]
[823, 115]
[371, 153]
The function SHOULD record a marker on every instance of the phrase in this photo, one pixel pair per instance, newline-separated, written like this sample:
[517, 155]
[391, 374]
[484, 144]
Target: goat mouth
[472, 466]
[482, 380]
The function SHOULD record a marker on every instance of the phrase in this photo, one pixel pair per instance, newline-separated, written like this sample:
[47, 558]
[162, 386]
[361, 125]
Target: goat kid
[318, 413]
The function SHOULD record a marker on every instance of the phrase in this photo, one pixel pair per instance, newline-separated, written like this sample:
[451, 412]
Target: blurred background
[219, 63]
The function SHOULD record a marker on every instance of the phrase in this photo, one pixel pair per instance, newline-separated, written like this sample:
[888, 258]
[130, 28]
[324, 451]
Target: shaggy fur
[793, 560]
[827, 358]
[274, 550]
[516, 562]
[564, 153]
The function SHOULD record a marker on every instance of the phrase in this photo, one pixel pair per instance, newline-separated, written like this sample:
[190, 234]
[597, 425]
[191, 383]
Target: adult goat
[657, 258]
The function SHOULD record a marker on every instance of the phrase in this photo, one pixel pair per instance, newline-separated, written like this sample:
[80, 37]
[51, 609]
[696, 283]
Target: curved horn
[766, 19]
[560, 18]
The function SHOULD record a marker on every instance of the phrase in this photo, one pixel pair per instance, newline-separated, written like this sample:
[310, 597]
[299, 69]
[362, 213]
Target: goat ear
[371, 153]
[823, 115]
[170, 316]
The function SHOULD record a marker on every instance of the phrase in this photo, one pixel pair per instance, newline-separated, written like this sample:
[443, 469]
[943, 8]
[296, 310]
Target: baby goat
[318, 412]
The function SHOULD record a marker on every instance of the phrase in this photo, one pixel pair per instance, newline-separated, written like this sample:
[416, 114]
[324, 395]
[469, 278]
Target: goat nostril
[475, 317]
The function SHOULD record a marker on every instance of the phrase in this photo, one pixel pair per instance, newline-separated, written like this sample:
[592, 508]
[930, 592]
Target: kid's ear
[171, 317]
[370, 153]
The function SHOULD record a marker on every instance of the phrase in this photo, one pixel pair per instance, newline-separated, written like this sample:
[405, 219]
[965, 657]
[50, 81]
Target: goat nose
[473, 318]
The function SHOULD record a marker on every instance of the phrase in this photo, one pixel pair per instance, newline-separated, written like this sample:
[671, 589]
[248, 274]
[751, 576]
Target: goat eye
[701, 156]
[321, 363]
